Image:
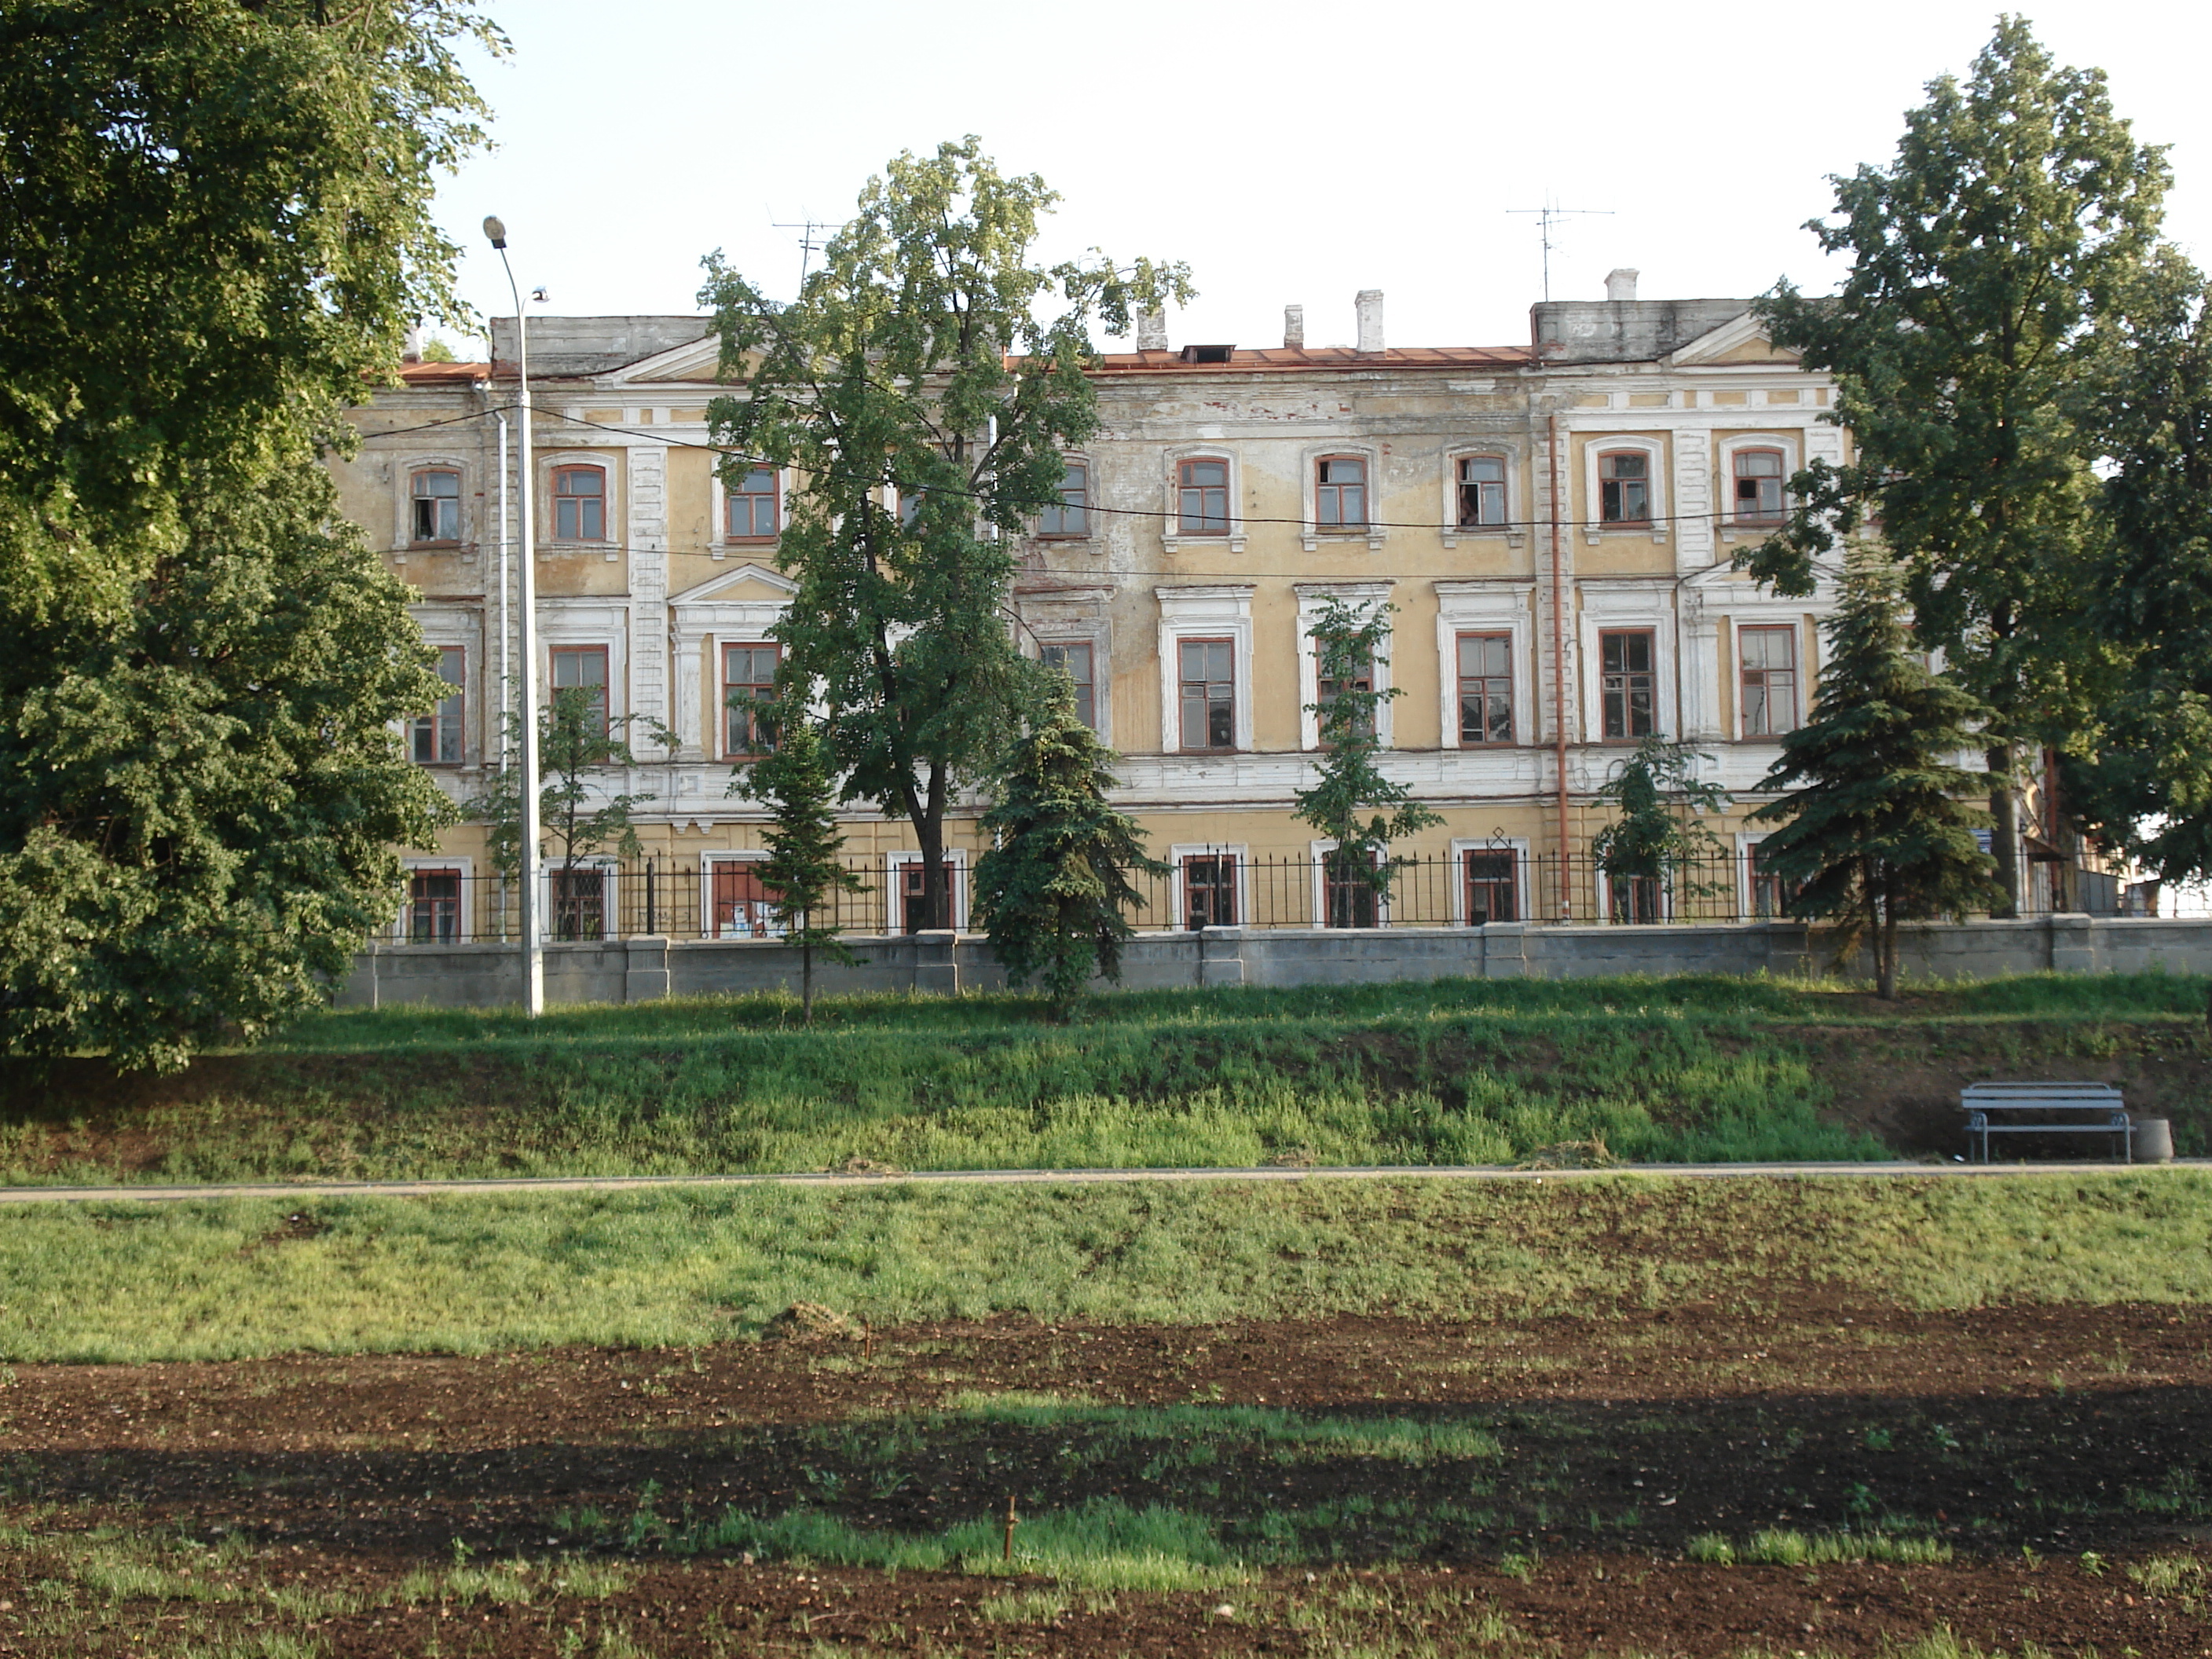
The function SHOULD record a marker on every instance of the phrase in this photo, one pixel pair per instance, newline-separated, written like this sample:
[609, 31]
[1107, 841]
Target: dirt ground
[2060, 1452]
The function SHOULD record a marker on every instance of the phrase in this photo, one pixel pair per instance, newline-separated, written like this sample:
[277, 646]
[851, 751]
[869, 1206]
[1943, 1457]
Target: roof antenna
[1546, 216]
[808, 242]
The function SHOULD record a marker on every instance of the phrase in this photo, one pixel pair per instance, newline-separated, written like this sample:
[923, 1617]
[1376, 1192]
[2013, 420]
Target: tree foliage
[1874, 831]
[925, 403]
[1053, 890]
[803, 873]
[214, 228]
[578, 818]
[1658, 834]
[2147, 777]
[1348, 787]
[2019, 218]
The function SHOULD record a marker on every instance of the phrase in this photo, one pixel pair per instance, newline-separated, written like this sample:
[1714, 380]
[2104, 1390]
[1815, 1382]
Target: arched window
[749, 507]
[436, 506]
[1481, 491]
[1759, 474]
[1624, 478]
[1340, 492]
[1202, 497]
[580, 504]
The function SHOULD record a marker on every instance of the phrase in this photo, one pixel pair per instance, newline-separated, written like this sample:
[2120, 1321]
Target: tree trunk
[2004, 834]
[1885, 956]
[935, 912]
[805, 970]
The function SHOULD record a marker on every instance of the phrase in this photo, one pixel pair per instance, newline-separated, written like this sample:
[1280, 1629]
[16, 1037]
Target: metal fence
[722, 896]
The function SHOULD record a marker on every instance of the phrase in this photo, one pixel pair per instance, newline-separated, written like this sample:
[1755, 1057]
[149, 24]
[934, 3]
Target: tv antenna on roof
[1550, 213]
[808, 242]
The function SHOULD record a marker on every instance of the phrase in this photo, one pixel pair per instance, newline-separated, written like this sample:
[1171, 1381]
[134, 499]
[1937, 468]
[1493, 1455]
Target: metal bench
[2097, 1110]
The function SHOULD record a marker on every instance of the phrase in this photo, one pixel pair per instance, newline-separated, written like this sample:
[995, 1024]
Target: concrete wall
[638, 969]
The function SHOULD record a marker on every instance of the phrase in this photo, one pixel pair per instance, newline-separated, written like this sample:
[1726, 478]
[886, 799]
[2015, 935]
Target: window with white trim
[435, 738]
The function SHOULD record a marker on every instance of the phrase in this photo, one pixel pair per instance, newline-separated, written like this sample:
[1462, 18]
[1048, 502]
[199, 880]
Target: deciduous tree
[1658, 835]
[2019, 216]
[576, 744]
[924, 402]
[1053, 890]
[214, 230]
[1875, 830]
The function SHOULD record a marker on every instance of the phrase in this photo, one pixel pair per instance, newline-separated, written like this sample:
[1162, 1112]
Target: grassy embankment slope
[683, 1266]
[1464, 1072]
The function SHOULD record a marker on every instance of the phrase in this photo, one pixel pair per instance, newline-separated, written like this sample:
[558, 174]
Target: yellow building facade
[1552, 523]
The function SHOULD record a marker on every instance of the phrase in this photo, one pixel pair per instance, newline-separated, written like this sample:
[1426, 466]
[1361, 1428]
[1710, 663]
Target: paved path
[152, 1194]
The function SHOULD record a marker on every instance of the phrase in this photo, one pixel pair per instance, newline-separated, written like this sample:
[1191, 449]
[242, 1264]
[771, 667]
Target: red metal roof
[443, 373]
[1292, 359]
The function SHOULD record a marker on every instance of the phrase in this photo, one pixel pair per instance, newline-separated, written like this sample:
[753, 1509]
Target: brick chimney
[1294, 327]
[1151, 331]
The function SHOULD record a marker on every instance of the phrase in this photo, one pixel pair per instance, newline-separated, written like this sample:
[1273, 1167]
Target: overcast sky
[1290, 152]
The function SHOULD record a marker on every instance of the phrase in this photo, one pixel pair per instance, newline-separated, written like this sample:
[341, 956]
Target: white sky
[1289, 151]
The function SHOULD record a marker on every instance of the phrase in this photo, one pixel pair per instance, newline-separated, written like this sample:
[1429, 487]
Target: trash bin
[2153, 1140]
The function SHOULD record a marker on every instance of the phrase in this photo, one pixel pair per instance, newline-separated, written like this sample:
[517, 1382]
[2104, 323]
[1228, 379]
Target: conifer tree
[802, 871]
[1348, 786]
[1876, 831]
[1053, 890]
[1659, 835]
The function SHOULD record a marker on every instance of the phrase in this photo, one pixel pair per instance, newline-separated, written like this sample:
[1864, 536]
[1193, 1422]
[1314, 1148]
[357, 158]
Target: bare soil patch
[2049, 1447]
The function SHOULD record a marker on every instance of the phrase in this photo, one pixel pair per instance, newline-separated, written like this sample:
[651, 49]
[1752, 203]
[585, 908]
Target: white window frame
[1487, 607]
[1623, 606]
[955, 859]
[1178, 909]
[719, 544]
[1317, 851]
[1594, 447]
[586, 622]
[1204, 611]
[1313, 533]
[1513, 530]
[1313, 600]
[706, 863]
[1730, 528]
[609, 462]
[1522, 875]
[455, 626]
[702, 621]
[1745, 845]
[1171, 538]
[1602, 896]
[466, 866]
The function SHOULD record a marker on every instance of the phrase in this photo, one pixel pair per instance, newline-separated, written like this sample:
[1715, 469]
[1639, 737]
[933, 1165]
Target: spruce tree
[1347, 647]
[1876, 831]
[803, 873]
[1659, 834]
[1053, 890]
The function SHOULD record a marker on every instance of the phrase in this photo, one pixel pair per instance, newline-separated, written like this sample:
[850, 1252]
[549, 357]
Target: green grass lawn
[121, 1281]
[1455, 1072]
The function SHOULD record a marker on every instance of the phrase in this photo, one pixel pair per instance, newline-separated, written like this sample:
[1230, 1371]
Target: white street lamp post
[534, 941]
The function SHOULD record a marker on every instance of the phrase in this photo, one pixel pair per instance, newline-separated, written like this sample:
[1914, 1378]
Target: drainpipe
[1560, 677]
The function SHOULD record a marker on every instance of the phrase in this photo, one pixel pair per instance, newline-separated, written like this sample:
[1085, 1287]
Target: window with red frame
[1629, 688]
[1758, 486]
[1209, 891]
[1492, 888]
[749, 507]
[584, 667]
[434, 907]
[748, 684]
[1768, 675]
[580, 504]
[436, 497]
[1623, 485]
[1481, 491]
[744, 907]
[1071, 514]
[1202, 498]
[435, 738]
[1075, 659]
[1209, 693]
[1485, 687]
[1340, 493]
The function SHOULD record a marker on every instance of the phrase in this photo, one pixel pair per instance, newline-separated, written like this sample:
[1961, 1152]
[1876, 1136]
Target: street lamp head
[494, 227]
